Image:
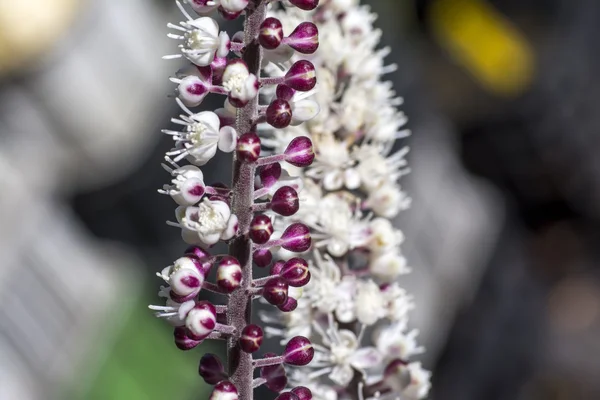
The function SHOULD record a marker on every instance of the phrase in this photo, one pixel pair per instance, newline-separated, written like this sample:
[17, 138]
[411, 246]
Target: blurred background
[502, 233]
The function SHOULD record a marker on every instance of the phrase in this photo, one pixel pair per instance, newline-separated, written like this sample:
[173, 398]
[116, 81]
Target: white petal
[333, 180]
[341, 374]
[202, 156]
[232, 227]
[224, 43]
[222, 208]
[208, 118]
[352, 179]
[227, 139]
[304, 110]
[206, 25]
[209, 239]
[190, 237]
[366, 357]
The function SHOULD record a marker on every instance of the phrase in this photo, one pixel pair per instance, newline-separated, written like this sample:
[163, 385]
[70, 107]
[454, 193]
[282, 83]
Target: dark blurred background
[502, 234]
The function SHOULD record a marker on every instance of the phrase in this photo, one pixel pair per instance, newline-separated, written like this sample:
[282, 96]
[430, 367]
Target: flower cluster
[358, 312]
[248, 214]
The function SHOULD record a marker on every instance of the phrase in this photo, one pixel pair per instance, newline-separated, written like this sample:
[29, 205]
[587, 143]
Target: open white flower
[327, 291]
[202, 135]
[397, 302]
[339, 229]
[419, 382]
[369, 303]
[208, 223]
[375, 169]
[388, 266]
[200, 37]
[388, 200]
[240, 83]
[394, 342]
[384, 237]
[187, 186]
[340, 354]
[333, 164]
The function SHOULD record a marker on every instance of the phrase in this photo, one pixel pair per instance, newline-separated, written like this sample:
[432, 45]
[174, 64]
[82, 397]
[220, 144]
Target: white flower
[174, 313]
[384, 237]
[327, 291]
[201, 39]
[369, 303]
[303, 108]
[419, 382]
[201, 137]
[394, 342]
[187, 186]
[388, 266]
[397, 302]
[375, 169]
[339, 229]
[388, 200]
[333, 165]
[340, 354]
[210, 221]
[240, 83]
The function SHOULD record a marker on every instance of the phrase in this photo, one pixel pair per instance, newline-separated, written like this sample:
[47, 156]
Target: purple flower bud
[279, 113]
[300, 152]
[277, 267]
[284, 92]
[305, 4]
[301, 76]
[290, 305]
[248, 147]
[298, 351]
[211, 369]
[251, 338]
[182, 341]
[397, 375]
[275, 291]
[261, 229]
[269, 174]
[285, 201]
[229, 274]
[224, 390]
[296, 238]
[271, 33]
[275, 376]
[201, 257]
[304, 39]
[302, 392]
[201, 320]
[295, 272]
[287, 396]
[228, 15]
[262, 257]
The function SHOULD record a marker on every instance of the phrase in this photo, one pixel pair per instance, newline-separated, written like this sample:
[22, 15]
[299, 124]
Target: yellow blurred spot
[29, 28]
[484, 42]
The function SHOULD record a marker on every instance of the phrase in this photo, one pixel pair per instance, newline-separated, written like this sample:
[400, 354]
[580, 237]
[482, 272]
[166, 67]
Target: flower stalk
[232, 67]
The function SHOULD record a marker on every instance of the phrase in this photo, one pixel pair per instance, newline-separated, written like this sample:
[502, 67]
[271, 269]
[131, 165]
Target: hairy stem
[240, 302]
